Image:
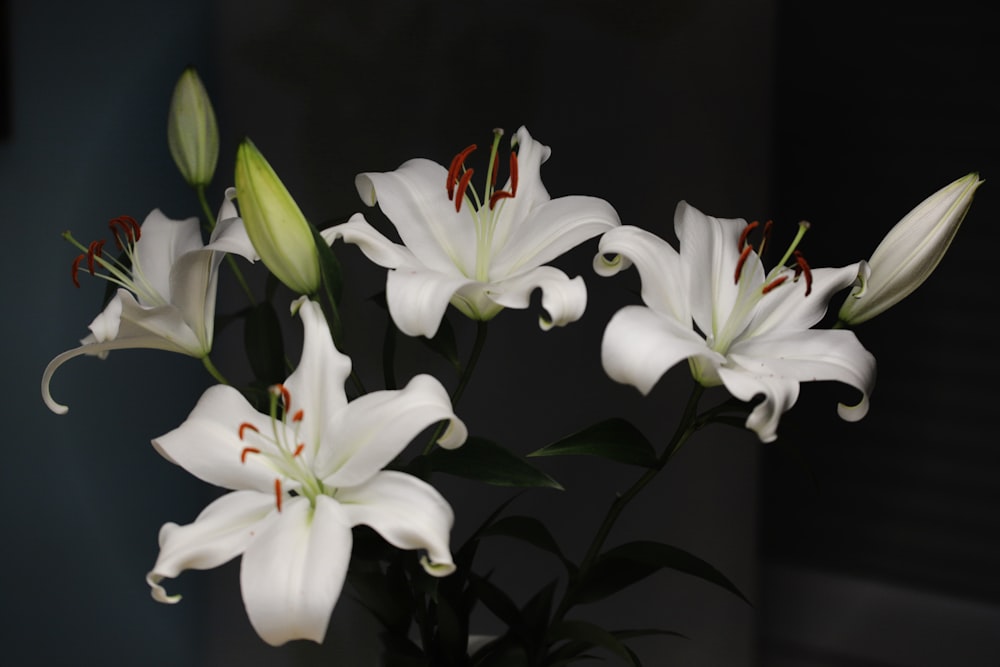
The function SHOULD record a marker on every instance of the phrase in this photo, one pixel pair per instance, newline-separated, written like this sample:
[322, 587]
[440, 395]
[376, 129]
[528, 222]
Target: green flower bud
[911, 250]
[278, 230]
[192, 132]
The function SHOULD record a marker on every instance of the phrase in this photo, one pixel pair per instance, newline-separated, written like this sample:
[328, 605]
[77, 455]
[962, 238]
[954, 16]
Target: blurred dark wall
[880, 538]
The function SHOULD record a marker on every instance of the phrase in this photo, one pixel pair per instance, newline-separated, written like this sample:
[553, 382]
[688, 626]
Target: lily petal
[373, 244]
[208, 443]
[710, 254]
[531, 193]
[415, 199]
[418, 298]
[549, 230]
[162, 242]
[293, 572]
[317, 385]
[787, 308]
[408, 512]
[664, 286]
[779, 394]
[373, 429]
[221, 532]
[563, 299]
[640, 345]
[124, 324]
[812, 355]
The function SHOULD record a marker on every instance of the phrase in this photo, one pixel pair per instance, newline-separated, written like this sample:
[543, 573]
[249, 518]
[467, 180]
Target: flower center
[484, 209]
[125, 270]
[282, 448]
[790, 269]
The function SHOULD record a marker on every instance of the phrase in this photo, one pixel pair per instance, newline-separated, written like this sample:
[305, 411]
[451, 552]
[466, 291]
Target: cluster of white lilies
[311, 467]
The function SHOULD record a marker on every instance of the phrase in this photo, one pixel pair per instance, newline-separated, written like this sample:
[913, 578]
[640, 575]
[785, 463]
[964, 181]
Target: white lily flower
[713, 304]
[479, 253]
[166, 295]
[911, 251]
[302, 477]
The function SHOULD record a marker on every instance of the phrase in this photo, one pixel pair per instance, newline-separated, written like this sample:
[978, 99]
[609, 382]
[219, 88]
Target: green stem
[213, 371]
[689, 423]
[463, 380]
[470, 365]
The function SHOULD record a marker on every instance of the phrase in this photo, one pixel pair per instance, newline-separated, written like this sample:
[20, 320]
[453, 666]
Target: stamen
[739, 264]
[76, 268]
[95, 249]
[497, 196]
[127, 226]
[277, 493]
[496, 168]
[774, 283]
[746, 232]
[248, 450]
[765, 237]
[802, 267]
[286, 396]
[247, 425]
[513, 174]
[463, 184]
[504, 194]
[298, 449]
[297, 417]
[456, 164]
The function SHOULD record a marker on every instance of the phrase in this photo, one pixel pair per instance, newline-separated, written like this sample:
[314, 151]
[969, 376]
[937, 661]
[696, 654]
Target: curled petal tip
[158, 592]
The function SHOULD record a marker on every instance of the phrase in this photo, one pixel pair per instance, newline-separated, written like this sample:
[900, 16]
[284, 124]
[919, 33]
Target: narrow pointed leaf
[624, 565]
[530, 530]
[614, 439]
[592, 634]
[485, 461]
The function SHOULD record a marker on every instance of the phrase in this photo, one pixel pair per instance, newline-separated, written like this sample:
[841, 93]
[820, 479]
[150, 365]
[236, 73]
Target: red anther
[746, 232]
[247, 425]
[463, 183]
[248, 450]
[95, 249]
[513, 174]
[802, 267]
[125, 225]
[774, 283]
[277, 493]
[286, 396]
[299, 448]
[496, 168]
[497, 196]
[456, 164]
[76, 268]
[765, 236]
[297, 417]
[739, 264]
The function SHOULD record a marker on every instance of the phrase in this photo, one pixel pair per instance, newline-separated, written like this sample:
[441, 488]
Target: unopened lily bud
[192, 132]
[274, 222]
[911, 250]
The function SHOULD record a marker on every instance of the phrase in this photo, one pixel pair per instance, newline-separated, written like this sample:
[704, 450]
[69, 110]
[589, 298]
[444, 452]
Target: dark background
[860, 544]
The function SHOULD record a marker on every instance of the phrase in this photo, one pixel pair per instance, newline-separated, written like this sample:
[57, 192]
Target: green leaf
[531, 530]
[614, 439]
[624, 565]
[498, 602]
[486, 461]
[264, 343]
[591, 634]
[333, 286]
